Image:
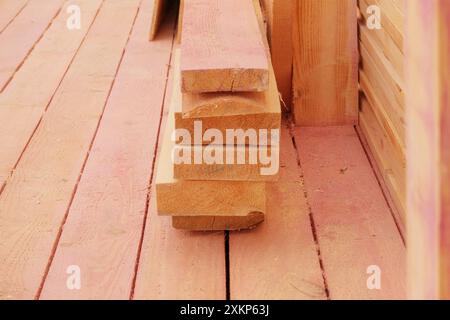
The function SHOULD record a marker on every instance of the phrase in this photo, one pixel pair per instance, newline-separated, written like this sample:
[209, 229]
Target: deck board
[22, 34]
[34, 202]
[110, 203]
[278, 260]
[355, 228]
[9, 9]
[27, 97]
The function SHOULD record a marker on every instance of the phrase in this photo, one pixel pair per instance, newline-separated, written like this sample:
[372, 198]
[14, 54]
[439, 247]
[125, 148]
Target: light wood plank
[9, 9]
[355, 228]
[224, 50]
[325, 81]
[27, 97]
[427, 68]
[31, 215]
[279, 17]
[157, 17]
[109, 206]
[278, 260]
[22, 34]
[222, 111]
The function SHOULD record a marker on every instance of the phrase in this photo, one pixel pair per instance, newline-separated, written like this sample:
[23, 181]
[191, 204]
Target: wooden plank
[355, 228]
[27, 97]
[31, 216]
[279, 17]
[258, 170]
[278, 260]
[222, 111]
[157, 17]
[224, 51]
[9, 9]
[201, 198]
[325, 81]
[167, 268]
[215, 223]
[110, 203]
[22, 35]
[427, 68]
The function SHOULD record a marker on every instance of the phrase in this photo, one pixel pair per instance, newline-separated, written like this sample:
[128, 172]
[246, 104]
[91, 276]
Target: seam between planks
[60, 231]
[15, 16]
[310, 212]
[2, 187]
[153, 164]
[31, 49]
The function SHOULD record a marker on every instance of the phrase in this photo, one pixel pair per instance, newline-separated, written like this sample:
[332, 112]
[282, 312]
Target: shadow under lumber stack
[224, 96]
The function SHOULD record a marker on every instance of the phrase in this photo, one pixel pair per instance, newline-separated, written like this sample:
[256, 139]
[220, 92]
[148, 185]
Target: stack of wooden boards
[223, 123]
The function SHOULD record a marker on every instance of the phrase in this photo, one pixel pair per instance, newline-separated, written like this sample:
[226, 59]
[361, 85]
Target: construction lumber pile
[221, 141]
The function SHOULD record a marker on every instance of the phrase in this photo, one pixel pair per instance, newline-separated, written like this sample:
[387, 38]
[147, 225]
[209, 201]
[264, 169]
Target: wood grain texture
[223, 51]
[382, 105]
[31, 216]
[158, 10]
[325, 82]
[110, 203]
[27, 97]
[22, 34]
[222, 111]
[177, 264]
[354, 227]
[278, 260]
[214, 223]
[221, 170]
[9, 9]
[279, 16]
[203, 198]
[427, 51]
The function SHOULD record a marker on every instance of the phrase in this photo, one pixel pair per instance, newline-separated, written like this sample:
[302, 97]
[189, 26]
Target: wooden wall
[382, 101]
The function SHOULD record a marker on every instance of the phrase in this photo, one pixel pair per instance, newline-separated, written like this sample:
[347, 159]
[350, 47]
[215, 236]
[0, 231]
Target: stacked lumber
[382, 103]
[221, 141]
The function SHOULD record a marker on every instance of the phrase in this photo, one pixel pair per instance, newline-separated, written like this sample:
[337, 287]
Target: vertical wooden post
[427, 73]
[325, 41]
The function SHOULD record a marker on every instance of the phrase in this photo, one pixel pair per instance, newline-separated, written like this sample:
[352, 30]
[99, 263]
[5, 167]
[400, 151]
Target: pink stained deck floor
[76, 183]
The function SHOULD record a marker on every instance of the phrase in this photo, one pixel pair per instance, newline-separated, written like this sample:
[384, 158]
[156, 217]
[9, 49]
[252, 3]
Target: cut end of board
[210, 223]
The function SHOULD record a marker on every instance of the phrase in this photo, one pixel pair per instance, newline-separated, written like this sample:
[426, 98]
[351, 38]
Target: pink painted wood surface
[279, 259]
[35, 201]
[22, 34]
[9, 9]
[27, 97]
[104, 225]
[354, 225]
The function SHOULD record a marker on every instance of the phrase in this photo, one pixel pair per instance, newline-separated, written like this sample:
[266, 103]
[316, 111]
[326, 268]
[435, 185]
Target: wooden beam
[159, 7]
[428, 147]
[226, 110]
[223, 51]
[325, 62]
[279, 16]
